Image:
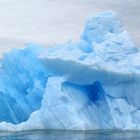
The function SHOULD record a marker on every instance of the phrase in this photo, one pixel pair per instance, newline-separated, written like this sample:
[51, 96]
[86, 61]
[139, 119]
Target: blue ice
[90, 84]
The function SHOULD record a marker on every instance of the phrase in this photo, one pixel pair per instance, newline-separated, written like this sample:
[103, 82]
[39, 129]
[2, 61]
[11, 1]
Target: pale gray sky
[55, 21]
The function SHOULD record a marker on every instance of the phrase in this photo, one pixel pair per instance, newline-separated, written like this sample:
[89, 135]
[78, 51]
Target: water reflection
[71, 135]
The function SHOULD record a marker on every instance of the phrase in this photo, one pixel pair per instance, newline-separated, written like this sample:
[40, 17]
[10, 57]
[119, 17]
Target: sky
[49, 22]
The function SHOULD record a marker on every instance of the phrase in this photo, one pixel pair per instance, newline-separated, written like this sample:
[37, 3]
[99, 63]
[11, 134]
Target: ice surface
[22, 84]
[87, 85]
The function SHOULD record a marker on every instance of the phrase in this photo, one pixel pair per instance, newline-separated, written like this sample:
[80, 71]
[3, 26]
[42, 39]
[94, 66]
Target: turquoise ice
[85, 85]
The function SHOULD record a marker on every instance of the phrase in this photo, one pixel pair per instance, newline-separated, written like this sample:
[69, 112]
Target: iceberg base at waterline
[91, 84]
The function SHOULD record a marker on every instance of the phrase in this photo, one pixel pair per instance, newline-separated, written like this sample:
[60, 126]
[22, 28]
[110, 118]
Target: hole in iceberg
[94, 91]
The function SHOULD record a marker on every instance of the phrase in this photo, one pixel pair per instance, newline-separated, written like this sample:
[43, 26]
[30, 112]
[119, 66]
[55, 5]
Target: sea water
[70, 135]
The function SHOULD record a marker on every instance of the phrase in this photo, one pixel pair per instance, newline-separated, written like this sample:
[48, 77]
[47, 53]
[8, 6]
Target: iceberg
[91, 84]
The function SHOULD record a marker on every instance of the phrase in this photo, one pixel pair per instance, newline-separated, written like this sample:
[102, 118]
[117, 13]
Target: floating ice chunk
[88, 85]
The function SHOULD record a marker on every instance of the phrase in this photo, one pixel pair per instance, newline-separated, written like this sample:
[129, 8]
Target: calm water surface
[71, 135]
